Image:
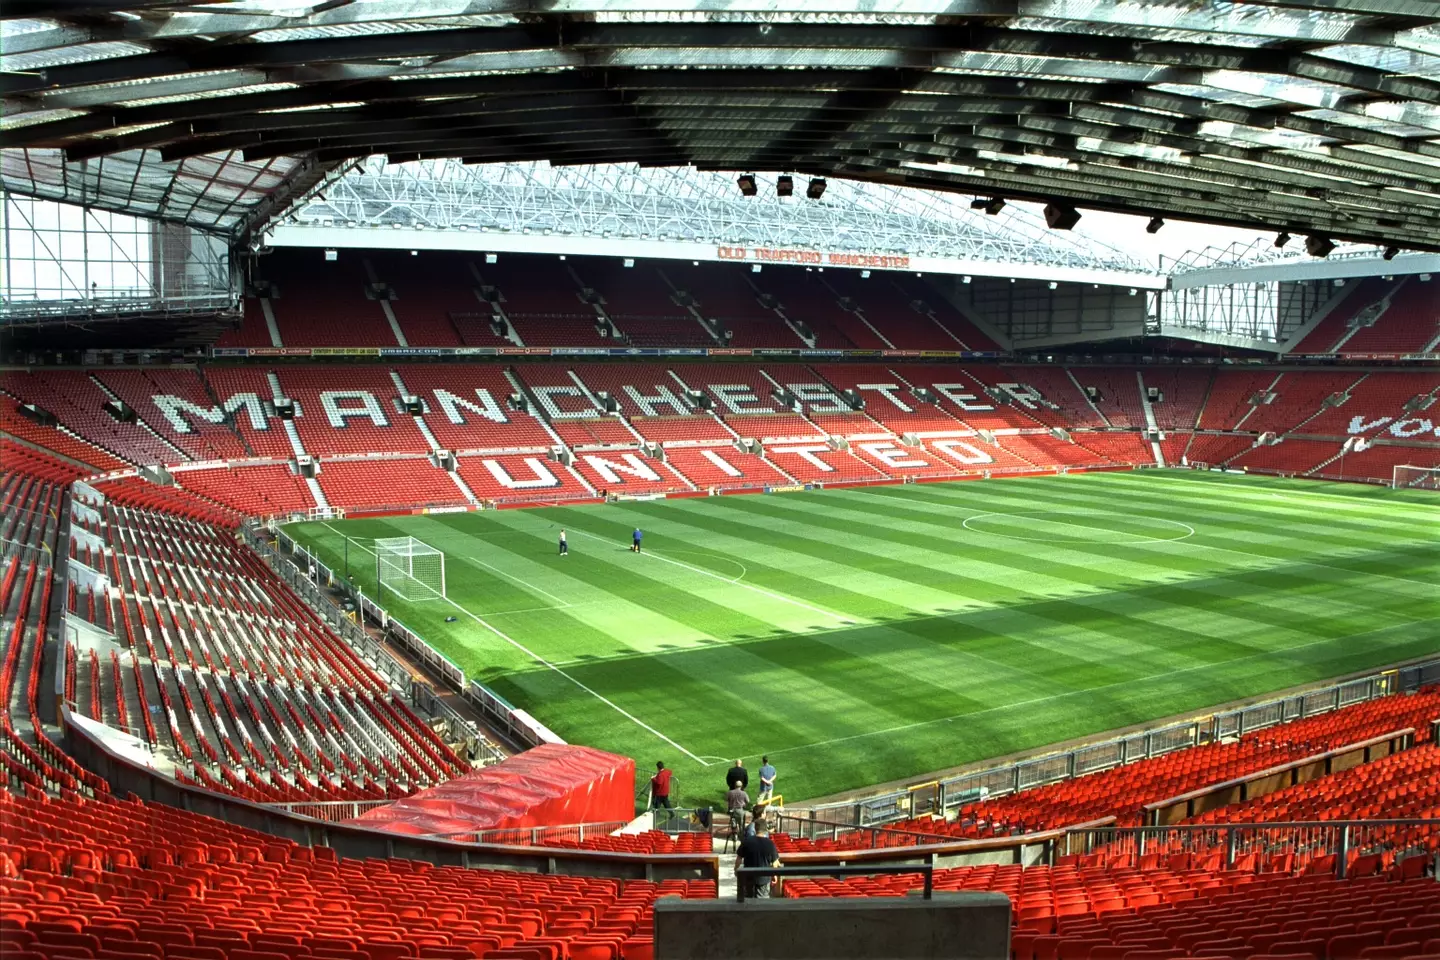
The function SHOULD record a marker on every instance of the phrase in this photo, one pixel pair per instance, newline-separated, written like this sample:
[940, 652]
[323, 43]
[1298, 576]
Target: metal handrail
[927, 870]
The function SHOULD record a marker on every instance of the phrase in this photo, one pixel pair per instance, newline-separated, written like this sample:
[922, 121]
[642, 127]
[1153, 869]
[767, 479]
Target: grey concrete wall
[956, 926]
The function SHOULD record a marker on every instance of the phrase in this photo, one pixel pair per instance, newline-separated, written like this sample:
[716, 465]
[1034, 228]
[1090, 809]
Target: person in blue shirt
[635, 540]
[767, 780]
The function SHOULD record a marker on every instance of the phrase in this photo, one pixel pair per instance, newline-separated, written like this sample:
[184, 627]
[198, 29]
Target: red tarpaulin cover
[548, 785]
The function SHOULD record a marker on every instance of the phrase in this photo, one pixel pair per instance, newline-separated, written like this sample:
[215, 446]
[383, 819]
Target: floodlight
[966, 279]
[1060, 216]
[1319, 246]
[491, 258]
[629, 261]
[746, 182]
[994, 206]
[1053, 284]
[784, 185]
[414, 253]
[331, 255]
[816, 190]
[754, 268]
[864, 274]
[1154, 225]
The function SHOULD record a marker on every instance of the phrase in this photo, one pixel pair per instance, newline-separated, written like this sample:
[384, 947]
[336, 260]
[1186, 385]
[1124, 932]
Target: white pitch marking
[1185, 540]
[541, 660]
[520, 580]
[1090, 690]
[748, 586]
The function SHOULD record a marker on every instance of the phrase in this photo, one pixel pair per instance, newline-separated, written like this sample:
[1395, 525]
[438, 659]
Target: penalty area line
[541, 660]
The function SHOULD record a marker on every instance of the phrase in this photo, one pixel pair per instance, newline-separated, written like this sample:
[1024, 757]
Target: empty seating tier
[1362, 301]
[178, 405]
[79, 401]
[428, 290]
[326, 303]
[354, 412]
[1178, 912]
[468, 408]
[388, 483]
[127, 879]
[1409, 323]
[235, 684]
[55, 439]
[260, 491]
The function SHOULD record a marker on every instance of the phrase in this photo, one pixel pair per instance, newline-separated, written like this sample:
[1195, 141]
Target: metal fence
[567, 835]
[956, 792]
[853, 837]
[331, 811]
[1331, 846]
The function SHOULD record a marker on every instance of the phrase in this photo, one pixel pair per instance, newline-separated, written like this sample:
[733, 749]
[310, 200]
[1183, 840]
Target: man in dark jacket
[758, 850]
[737, 776]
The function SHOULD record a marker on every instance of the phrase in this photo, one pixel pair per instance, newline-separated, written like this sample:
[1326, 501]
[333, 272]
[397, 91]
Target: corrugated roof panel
[79, 53]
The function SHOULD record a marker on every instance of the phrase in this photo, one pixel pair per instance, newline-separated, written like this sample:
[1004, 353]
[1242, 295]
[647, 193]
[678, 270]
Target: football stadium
[679, 480]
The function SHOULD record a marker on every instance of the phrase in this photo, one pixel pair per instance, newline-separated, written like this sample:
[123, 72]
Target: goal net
[1416, 478]
[411, 569]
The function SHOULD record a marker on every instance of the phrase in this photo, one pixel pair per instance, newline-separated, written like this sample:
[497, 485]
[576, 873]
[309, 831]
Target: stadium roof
[1311, 116]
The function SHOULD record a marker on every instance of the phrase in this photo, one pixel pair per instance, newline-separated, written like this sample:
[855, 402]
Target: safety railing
[330, 811]
[925, 870]
[853, 836]
[554, 836]
[1268, 847]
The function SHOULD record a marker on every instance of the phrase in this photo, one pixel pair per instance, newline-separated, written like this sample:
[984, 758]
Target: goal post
[409, 568]
[1416, 478]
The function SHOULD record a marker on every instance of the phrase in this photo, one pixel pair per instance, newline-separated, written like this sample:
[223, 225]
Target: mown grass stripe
[970, 644]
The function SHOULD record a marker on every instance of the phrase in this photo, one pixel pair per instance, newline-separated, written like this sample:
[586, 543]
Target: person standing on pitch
[564, 546]
[660, 787]
[738, 776]
[635, 540]
[767, 780]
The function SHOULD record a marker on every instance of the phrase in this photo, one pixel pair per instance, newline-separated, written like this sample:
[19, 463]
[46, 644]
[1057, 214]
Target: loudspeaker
[120, 410]
[517, 401]
[284, 409]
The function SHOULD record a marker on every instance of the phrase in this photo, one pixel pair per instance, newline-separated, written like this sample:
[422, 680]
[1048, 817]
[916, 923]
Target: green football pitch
[865, 635]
